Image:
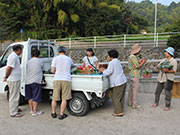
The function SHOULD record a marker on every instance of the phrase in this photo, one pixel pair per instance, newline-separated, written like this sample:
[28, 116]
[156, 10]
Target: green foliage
[174, 41]
[165, 14]
[47, 19]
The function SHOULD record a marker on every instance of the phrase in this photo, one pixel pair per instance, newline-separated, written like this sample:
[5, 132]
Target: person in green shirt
[134, 76]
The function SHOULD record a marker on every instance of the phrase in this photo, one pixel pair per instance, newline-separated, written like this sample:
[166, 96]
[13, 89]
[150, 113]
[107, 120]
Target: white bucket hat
[170, 50]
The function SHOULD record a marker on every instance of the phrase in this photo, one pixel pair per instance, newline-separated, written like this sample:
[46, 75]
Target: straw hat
[135, 49]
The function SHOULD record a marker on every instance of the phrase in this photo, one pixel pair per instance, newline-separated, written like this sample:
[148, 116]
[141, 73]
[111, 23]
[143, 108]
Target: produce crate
[147, 75]
[86, 71]
[176, 89]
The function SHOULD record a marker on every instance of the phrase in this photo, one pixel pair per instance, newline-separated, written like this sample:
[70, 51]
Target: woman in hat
[134, 76]
[168, 67]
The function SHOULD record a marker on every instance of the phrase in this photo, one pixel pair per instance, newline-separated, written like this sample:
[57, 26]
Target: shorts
[62, 90]
[33, 91]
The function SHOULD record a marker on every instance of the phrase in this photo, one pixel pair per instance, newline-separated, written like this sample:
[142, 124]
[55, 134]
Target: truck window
[3, 61]
[44, 51]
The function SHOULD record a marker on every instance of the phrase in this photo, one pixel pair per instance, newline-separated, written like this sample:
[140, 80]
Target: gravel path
[144, 121]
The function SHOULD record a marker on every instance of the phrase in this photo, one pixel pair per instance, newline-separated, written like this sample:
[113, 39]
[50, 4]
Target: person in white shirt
[34, 75]
[61, 66]
[13, 78]
[117, 82]
[90, 59]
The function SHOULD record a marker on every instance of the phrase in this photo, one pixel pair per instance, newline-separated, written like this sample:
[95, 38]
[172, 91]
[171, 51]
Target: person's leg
[130, 92]
[35, 104]
[37, 96]
[66, 95]
[123, 96]
[117, 97]
[63, 107]
[159, 89]
[168, 98]
[30, 105]
[28, 96]
[135, 83]
[56, 96]
[168, 88]
[14, 90]
[53, 106]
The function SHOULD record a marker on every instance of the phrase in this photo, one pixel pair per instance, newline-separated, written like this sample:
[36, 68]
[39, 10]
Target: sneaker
[136, 106]
[31, 112]
[37, 113]
[53, 115]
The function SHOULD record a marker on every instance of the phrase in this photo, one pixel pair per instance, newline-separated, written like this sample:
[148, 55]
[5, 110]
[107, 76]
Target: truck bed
[86, 83]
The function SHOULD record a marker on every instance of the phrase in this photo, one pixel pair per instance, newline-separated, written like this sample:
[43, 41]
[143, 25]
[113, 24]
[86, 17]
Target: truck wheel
[22, 100]
[7, 95]
[78, 105]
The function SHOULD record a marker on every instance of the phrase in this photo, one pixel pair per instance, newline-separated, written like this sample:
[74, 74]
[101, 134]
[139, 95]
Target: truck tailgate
[88, 83]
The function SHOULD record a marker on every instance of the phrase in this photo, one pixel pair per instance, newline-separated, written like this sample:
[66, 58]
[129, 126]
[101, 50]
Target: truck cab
[47, 48]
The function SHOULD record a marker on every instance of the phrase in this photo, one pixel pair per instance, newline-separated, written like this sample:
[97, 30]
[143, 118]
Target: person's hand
[165, 70]
[5, 79]
[102, 70]
[144, 61]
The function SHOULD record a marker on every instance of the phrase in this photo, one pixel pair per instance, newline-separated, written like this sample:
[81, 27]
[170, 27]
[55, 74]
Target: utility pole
[155, 23]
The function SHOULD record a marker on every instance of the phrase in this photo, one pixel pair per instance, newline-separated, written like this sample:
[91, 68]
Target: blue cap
[170, 50]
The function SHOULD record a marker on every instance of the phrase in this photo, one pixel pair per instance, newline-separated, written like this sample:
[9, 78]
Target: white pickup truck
[87, 90]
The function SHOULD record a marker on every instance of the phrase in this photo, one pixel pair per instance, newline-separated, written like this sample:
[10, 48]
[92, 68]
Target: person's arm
[168, 71]
[142, 63]
[72, 64]
[136, 64]
[53, 66]
[172, 70]
[97, 65]
[84, 61]
[8, 72]
[53, 70]
[108, 71]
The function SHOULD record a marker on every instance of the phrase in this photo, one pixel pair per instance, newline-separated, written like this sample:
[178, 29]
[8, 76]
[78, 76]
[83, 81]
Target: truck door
[3, 62]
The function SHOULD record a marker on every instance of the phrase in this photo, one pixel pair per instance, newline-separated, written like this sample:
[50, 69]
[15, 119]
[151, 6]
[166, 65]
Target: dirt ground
[144, 121]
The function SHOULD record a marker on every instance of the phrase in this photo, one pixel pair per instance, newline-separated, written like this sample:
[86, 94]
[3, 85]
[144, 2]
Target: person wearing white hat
[134, 76]
[166, 78]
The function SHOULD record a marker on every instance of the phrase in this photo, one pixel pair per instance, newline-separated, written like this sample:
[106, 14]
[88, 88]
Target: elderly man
[13, 78]
[61, 66]
[33, 92]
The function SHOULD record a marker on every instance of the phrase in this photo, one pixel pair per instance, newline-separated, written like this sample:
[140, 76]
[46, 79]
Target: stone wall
[149, 53]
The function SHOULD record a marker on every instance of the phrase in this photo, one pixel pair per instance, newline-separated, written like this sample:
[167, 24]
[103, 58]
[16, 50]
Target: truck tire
[22, 100]
[78, 105]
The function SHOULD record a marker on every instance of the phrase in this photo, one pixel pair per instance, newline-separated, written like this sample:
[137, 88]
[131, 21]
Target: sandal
[17, 115]
[118, 115]
[166, 108]
[19, 110]
[154, 105]
[63, 116]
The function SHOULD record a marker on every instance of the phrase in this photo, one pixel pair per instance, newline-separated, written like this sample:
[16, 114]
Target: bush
[174, 41]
